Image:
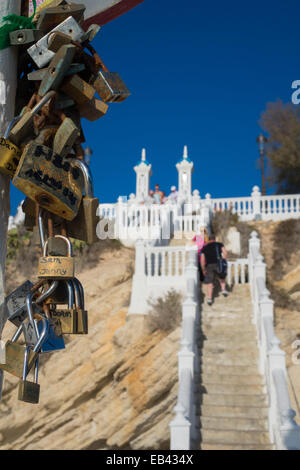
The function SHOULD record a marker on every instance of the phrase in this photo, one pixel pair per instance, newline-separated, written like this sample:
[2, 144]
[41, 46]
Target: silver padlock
[33, 328]
[40, 53]
[16, 303]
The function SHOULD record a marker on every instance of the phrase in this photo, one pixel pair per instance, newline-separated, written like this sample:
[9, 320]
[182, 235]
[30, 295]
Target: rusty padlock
[50, 180]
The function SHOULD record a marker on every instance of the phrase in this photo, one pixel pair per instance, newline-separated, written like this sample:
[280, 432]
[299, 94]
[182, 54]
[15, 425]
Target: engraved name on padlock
[50, 180]
[57, 267]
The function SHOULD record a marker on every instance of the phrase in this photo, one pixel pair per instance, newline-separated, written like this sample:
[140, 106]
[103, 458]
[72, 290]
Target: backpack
[221, 263]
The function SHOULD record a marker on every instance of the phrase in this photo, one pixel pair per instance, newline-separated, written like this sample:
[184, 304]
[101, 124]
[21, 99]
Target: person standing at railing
[173, 196]
[213, 264]
[200, 242]
[157, 195]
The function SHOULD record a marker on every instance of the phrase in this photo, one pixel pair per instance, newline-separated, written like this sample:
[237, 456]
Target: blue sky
[200, 74]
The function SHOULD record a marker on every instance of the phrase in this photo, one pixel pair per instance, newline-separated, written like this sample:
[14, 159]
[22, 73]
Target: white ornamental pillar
[143, 173]
[256, 198]
[8, 86]
[185, 168]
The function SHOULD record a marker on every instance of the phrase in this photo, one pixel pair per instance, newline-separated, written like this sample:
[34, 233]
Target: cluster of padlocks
[58, 77]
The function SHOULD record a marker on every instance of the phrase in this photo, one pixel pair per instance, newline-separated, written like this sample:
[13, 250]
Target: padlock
[50, 180]
[16, 303]
[10, 154]
[110, 87]
[57, 69]
[68, 317]
[83, 226]
[57, 40]
[82, 316]
[40, 52]
[24, 37]
[65, 137]
[29, 392]
[25, 124]
[78, 89]
[57, 267]
[93, 110]
[49, 17]
[15, 352]
[91, 33]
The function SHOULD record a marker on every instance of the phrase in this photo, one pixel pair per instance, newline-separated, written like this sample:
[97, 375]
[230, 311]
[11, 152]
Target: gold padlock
[15, 358]
[29, 391]
[82, 315]
[50, 180]
[83, 227]
[57, 267]
[68, 317]
[10, 154]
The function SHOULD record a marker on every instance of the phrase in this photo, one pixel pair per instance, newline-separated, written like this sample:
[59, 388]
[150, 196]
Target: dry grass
[166, 312]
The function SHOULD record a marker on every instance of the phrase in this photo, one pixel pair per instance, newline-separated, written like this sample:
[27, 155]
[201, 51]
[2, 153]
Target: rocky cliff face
[114, 388]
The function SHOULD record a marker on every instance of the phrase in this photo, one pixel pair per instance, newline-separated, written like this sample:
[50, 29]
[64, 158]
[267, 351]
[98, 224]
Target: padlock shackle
[78, 300]
[43, 101]
[30, 312]
[44, 296]
[70, 248]
[17, 334]
[79, 285]
[43, 335]
[41, 229]
[25, 363]
[71, 296]
[11, 125]
[87, 176]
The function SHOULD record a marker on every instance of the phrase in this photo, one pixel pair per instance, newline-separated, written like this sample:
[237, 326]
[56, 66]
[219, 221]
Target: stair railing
[284, 432]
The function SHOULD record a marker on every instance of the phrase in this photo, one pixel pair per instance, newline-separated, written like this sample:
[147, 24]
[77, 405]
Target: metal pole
[8, 85]
[262, 165]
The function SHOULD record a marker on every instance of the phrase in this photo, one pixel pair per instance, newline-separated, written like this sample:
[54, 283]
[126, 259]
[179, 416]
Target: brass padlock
[65, 137]
[29, 391]
[93, 110]
[15, 358]
[50, 180]
[79, 90]
[57, 267]
[10, 154]
[83, 226]
[50, 17]
[82, 315]
[68, 317]
[23, 37]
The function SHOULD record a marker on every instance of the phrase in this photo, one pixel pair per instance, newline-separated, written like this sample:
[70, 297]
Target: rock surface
[114, 388]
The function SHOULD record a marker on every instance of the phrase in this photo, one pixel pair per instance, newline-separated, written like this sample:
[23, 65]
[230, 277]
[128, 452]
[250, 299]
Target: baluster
[242, 265]
[163, 263]
[176, 263]
[229, 273]
[236, 273]
[170, 262]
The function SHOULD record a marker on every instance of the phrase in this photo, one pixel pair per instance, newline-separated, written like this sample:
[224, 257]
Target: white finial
[143, 155]
[185, 152]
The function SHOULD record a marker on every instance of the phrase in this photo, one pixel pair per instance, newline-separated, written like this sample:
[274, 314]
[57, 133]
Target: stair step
[219, 399]
[255, 379]
[229, 360]
[236, 424]
[235, 447]
[230, 388]
[211, 411]
[217, 436]
[218, 369]
[227, 345]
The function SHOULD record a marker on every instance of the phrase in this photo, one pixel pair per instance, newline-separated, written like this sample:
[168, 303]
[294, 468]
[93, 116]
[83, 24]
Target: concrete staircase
[231, 399]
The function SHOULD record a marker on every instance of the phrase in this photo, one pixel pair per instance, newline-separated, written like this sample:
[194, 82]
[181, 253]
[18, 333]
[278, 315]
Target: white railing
[284, 432]
[183, 427]
[237, 272]
[157, 270]
[258, 207]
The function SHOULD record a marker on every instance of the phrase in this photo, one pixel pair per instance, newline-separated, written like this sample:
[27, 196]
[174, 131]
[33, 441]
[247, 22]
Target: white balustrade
[237, 271]
[277, 207]
[183, 426]
[284, 432]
